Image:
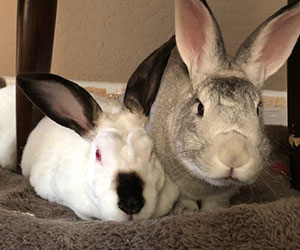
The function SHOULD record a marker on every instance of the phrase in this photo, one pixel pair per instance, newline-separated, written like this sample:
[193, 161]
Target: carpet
[264, 215]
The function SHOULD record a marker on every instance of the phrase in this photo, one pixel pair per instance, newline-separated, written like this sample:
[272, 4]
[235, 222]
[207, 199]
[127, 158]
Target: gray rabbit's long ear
[63, 101]
[270, 45]
[198, 38]
[144, 83]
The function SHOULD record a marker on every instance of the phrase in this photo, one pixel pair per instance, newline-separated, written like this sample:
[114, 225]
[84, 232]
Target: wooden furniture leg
[35, 35]
[294, 113]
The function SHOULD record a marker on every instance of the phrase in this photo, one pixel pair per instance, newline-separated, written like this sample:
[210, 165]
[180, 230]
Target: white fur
[7, 128]
[62, 167]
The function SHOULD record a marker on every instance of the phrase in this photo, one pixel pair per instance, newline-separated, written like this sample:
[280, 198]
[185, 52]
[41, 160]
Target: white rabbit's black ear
[144, 83]
[63, 101]
[198, 38]
[2, 83]
[270, 45]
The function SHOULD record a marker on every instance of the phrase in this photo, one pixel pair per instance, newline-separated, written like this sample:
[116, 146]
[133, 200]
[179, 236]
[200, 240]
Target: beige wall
[106, 39]
[7, 37]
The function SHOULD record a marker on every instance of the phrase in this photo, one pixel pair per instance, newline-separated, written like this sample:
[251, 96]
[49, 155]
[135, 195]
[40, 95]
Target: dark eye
[98, 155]
[200, 108]
[258, 108]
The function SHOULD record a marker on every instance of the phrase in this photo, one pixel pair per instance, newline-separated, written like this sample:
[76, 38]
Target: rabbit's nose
[132, 205]
[130, 191]
[233, 150]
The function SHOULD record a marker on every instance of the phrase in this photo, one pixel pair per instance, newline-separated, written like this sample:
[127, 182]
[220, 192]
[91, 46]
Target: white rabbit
[205, 119]
[99, 164]
[8, 128]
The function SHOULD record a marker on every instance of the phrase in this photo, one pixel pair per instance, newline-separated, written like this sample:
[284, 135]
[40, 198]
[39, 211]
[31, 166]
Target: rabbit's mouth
[235, 178]
[231, 178]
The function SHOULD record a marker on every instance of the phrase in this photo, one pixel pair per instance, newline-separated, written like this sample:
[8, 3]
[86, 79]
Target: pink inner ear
[192, 21]
[280, 42]
[66, 104]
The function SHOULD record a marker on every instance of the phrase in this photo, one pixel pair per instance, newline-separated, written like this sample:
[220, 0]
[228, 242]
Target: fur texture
[206, 121]
[61, 167]
[77, 158]
[7, 128]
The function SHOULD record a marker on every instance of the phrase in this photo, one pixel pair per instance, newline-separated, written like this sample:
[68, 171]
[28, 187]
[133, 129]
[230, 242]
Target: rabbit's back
[54, 160]
[7, 127]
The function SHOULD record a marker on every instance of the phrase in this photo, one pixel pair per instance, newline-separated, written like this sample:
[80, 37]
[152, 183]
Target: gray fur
[198, 151]
[172, 125]
[243, 53]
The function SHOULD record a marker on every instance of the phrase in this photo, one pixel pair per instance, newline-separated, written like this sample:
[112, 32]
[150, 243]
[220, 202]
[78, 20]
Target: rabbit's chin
[217, 174]
[230, 181]
[219, 178]
[125, 217]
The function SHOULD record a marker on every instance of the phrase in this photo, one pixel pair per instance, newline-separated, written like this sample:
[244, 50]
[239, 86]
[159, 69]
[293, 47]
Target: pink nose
[232, 150]
[233, 161]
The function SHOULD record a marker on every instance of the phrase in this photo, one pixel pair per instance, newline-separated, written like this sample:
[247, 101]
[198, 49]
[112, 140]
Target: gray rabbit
[204, 107]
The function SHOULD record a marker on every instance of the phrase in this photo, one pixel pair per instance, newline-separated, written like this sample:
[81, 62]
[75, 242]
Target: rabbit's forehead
[231, 89]
[122, 122]
[130, 145]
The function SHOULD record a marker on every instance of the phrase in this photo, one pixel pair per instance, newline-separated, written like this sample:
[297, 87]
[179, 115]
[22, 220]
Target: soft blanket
[265, 215]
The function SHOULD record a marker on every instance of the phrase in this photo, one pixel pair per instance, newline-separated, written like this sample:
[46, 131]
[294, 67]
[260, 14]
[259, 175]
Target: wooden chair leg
[35, 35]
[294, 113]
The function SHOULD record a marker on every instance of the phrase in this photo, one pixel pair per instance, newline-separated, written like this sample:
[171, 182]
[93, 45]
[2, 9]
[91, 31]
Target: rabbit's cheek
[154, 175]
[102, 192]
[108, 206]
[99, 180]
[150, 194]
[259, 155]
[248, 173]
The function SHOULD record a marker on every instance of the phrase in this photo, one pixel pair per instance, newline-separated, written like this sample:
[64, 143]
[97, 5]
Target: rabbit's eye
[259, 106]
[98, 155]
[200, 108]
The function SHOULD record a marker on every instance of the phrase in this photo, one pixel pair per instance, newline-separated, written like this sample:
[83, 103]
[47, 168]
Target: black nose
[131, 205]
[130, 191]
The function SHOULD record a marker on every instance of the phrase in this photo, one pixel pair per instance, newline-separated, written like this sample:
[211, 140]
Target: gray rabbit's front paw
[214, 203]
[185, 206]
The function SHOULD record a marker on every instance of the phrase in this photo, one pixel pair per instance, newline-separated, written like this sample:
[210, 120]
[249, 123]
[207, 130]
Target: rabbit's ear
[144, 83]
[269, 46]
[2, 83]
[63, 101]
[198, 38]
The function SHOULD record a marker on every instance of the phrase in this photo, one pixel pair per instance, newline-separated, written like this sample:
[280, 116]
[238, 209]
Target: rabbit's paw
[185, 206]
[212, 204]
